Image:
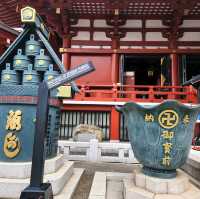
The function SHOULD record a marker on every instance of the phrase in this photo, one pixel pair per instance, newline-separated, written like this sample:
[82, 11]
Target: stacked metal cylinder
[30, 67]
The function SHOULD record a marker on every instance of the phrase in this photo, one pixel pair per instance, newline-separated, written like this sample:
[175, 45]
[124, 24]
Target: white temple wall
[100, 36]
[191, 24]
[132, 36]
[100, 23]
[133, 24]
[154, 24]
[82, 23]
[155, 36]
[82, 35]
[190, 36]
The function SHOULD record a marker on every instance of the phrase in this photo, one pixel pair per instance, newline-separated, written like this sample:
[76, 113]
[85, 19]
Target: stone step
[11, 188]
[22, 170]
[71, 185]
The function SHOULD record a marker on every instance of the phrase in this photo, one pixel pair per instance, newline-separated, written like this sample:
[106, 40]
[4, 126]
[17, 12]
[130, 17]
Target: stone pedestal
[146, 187]
[14, 177]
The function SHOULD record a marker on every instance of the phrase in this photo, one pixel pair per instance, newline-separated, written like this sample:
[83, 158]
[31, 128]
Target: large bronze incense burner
[160, 135]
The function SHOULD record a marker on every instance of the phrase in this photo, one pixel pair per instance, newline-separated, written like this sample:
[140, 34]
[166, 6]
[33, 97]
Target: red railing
[116, 92]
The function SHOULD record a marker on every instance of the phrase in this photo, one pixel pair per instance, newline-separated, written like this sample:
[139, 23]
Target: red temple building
[143, 51]
[7, 36]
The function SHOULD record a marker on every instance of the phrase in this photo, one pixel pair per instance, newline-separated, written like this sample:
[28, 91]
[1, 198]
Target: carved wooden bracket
[61, 23]
[115, 21]
[172, 35]
[115, 33]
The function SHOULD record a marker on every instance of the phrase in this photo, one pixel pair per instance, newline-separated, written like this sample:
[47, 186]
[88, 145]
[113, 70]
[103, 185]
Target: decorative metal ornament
[9, 76]
[20, 61]
[28, 14]
[12, 145]
[50, 77]
[30, 77]
[42, 61]
[32, 47]
[64, 91]
[6, 77]
[50, 73]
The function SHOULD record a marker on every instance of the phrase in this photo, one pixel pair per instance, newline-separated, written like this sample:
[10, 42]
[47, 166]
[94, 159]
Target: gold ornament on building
[14, 120]
[50, 77]
[29, 77]
[41, 62]
[64, 91]
[18, 61]
[6, 77]
[28, 14]
[31, 47]
[12, 145]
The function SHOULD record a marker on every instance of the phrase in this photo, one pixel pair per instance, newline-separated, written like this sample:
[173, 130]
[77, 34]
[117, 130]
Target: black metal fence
[123, 131]
[70, 119]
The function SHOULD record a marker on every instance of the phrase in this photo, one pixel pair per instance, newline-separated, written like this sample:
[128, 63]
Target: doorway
[145, 69]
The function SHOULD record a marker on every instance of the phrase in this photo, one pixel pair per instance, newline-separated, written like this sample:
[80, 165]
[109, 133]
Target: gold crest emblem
[168, 119]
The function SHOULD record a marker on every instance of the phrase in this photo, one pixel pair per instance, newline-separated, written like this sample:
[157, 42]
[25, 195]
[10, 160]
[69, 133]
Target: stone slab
[22, 170]
[131, 191]
[60, 178]
[192, 193]
[168, 196]
[114, 189]
[11, 188]
[176, 185]
[98, 189]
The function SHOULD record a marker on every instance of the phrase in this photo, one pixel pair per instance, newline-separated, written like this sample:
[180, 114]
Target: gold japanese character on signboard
[168, 119]
[14, 120]
[168, 134]
[186, 119]
[148, 117]
[166, 161]
[167, 147]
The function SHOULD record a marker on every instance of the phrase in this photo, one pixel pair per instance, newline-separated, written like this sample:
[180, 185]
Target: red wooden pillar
[175, 69]
[115, 116]
[66, 55]
[115, 70]
[115, 128]
[115, 61]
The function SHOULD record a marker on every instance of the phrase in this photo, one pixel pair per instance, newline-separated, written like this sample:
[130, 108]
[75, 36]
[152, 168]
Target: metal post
[38, 189]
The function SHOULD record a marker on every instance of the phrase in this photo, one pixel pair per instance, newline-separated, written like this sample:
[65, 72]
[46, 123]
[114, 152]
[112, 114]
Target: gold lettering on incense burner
[167, 148]
[12, 144]
[186, 119]
[148, 117]
[166, 161]
[167, 135]
[168, 119]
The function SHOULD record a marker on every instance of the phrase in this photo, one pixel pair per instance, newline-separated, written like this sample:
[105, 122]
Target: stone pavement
[83, 189]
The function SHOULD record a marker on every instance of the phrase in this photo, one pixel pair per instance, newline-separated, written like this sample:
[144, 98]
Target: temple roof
[151, 9]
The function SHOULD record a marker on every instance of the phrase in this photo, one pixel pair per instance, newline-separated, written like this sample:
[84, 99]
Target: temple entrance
[142, 69]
